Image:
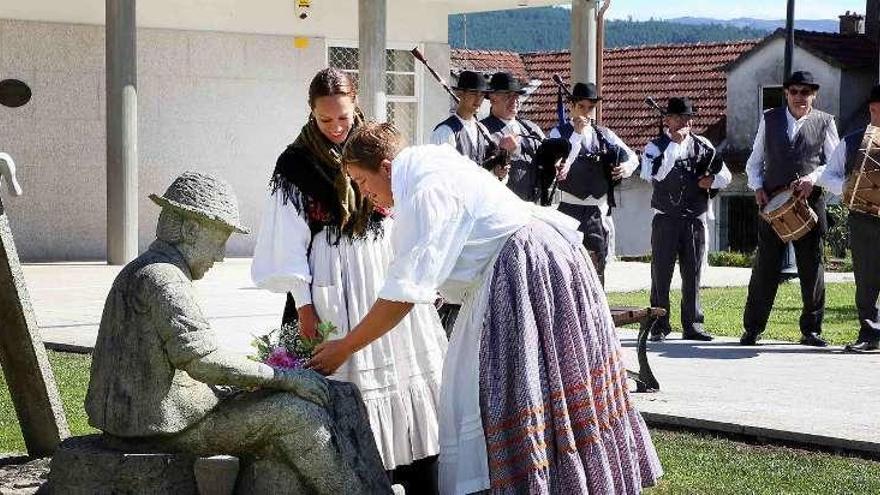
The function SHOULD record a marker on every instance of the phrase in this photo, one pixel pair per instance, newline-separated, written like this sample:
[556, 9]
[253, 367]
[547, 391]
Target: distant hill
[768, 25]
[540, 29]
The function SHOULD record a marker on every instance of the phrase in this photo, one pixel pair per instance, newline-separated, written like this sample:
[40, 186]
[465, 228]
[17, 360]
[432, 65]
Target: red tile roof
[631, 74]
[848, 51]
[488, 62]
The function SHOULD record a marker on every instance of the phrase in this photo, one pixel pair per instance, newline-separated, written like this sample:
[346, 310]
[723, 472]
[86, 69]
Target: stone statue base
[98, 464]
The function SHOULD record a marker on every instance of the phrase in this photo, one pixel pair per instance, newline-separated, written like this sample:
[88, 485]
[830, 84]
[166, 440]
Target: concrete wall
[633, 216]
[328, 18]
[224, 103]
[765, 68]
[856, 86]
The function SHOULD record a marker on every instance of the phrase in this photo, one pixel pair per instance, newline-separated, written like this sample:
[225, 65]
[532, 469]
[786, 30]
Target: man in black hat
[520, 137]
[864, 229]
[460, 130]
[685, 171]
[597, 160]
[791, 147]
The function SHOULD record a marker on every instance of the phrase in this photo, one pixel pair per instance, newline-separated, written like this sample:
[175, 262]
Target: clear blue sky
[728, 9]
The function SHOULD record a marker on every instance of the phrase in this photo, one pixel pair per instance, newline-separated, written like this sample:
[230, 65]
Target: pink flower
[281, 358]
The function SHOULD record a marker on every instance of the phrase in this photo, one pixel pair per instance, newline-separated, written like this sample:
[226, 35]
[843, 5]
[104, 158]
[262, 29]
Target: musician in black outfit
[864, 229]
[462, 129]
[598, 159]
[519, 137]
[684, 170]
[790, 150]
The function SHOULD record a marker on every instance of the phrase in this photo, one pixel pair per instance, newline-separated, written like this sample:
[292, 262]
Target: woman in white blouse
[534, 396]
[328, 247]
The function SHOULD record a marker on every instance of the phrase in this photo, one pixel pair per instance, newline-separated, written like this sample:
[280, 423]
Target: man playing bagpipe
[854, 171]
[462, 130]
[598, 160]
[684, 170]
[518, 137]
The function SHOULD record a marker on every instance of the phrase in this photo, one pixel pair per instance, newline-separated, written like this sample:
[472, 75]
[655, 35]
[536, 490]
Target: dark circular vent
[14, 93]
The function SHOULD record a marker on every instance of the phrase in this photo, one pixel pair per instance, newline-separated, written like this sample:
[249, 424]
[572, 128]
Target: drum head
[776, 202]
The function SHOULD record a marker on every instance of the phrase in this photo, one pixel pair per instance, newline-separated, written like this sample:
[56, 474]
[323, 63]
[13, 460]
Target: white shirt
[450, 220]
[678, 151]
[834, 175]
[443, 134]
[589, 141]
[755, 163]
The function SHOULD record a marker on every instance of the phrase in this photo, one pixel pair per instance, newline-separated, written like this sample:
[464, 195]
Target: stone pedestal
[97, 464]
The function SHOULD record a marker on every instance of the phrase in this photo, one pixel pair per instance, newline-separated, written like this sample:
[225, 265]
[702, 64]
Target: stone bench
[101, 464]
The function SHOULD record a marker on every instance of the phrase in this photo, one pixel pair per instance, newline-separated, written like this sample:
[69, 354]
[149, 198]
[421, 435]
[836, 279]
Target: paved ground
[781, 390]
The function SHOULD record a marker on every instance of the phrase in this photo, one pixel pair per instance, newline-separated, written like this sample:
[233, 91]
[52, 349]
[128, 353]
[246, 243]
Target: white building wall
[764, 68]
[219, 102]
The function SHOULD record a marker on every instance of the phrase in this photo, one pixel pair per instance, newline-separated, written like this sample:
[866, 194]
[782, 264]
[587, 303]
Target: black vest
[474, 151]
[678, 194]
[523, 176]
[784, 160]
[853, 143]
[586, 177]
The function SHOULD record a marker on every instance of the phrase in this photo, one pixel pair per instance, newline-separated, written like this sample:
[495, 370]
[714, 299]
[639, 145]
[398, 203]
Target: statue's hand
[305, 383]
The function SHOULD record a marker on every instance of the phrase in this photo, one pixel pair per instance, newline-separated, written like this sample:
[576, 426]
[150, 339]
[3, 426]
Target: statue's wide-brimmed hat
[203, 196]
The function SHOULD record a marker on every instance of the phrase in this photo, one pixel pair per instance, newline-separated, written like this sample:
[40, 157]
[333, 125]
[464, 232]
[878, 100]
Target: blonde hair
[371, 143]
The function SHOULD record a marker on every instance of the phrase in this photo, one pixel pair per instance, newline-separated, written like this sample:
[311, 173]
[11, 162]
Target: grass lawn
[695, 463]
[723, 309]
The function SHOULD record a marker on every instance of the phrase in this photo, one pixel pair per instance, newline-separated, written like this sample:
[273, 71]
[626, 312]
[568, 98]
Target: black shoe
[863, 346]
[696, 334]
[813, 339]
[749, 338]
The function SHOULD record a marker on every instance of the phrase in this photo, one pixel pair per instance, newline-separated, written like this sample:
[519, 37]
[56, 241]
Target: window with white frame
[401, 88]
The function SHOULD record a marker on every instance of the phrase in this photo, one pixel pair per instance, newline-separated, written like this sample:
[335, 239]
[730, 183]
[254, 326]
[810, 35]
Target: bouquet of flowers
[287, 347]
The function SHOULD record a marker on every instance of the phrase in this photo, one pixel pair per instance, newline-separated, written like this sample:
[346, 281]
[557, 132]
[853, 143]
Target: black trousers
[595, 235]
[811, 271]
[864, 235]
[681, 238]
[420, 477]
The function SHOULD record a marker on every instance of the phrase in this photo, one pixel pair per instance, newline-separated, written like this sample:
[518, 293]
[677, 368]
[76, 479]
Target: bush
[838, 232]
[731, 258]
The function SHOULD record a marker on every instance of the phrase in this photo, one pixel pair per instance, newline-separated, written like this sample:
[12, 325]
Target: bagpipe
[703, 168]
[608, 155]
[495, 155]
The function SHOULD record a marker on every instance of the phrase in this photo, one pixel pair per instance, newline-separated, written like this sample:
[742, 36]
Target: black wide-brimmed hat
[875, 94]
[802, 78]
[470, 81]
[680, 106]
[584, 91]
[504, 81]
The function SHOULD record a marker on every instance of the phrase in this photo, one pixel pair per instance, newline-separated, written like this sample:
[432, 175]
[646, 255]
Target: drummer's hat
[801, 78]
[505, 82]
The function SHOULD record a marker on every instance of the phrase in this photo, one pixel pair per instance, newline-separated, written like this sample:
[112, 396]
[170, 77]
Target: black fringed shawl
[309, 175]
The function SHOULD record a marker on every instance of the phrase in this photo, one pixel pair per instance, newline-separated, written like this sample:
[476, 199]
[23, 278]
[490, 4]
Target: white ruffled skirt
[399, 374]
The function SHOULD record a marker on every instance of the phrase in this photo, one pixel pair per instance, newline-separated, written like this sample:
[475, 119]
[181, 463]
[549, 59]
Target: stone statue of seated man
[156, 366]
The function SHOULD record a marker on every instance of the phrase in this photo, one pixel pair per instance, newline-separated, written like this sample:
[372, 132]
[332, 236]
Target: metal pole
[122, 159]
[789, 39]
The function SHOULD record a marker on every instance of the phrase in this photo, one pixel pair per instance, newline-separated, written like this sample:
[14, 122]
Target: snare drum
[790, 217]
[861, 192]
